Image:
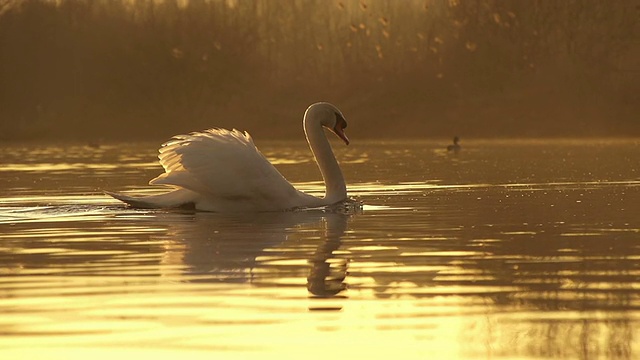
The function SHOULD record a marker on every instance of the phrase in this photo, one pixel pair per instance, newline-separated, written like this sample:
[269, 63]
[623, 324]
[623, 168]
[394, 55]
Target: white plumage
[222, 170]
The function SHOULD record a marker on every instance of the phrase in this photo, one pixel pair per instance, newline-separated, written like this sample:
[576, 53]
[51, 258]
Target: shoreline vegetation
[117, 69]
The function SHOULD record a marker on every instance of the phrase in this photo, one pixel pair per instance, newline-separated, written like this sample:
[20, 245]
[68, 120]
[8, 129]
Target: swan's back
[227, 172]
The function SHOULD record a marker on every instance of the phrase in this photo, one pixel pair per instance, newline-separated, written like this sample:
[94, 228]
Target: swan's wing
[225, 165]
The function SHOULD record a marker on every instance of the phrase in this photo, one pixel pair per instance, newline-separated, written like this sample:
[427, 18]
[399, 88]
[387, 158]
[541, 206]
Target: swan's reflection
[328, 272]
[259, 248]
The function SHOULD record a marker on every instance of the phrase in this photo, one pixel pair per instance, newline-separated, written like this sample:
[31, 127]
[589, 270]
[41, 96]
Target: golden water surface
[507, 249]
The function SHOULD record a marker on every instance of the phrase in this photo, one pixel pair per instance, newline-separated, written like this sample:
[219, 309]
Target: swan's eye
[340, 121]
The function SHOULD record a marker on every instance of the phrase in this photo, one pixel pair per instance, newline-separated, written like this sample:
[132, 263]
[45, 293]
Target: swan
[223, 171]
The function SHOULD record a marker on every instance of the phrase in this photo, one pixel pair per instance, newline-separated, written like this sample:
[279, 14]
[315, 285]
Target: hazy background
[108, 69]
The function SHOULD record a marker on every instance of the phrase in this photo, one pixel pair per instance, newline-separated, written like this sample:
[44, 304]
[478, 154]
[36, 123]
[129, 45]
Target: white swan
[223, 171]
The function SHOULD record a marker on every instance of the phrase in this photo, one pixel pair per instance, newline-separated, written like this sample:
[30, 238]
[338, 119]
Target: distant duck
[455, 147]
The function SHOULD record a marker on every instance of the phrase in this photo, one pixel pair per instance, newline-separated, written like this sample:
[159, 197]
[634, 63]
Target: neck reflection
[328, 270]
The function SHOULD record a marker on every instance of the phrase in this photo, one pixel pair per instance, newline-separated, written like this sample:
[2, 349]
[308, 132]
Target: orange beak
[339, 129]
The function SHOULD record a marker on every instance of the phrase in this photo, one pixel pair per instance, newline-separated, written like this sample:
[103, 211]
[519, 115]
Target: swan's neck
[336, 190]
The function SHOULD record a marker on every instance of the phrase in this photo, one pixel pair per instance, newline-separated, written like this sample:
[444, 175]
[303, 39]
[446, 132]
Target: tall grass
[134, 68]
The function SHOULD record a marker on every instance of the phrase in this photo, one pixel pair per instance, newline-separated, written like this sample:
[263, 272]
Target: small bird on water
[455, 147]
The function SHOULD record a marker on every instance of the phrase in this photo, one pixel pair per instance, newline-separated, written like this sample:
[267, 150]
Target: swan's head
[329, 116]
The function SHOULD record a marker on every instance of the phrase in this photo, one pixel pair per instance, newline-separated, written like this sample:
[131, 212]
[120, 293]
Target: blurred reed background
[120, 69]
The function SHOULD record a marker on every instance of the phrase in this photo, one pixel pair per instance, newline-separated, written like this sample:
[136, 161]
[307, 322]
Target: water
[508, 249]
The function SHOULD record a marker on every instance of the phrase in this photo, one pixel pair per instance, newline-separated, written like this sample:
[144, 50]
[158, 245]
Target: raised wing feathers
[224, 166]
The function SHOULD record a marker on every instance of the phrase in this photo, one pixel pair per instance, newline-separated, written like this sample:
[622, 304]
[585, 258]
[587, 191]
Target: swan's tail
[174, 199]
